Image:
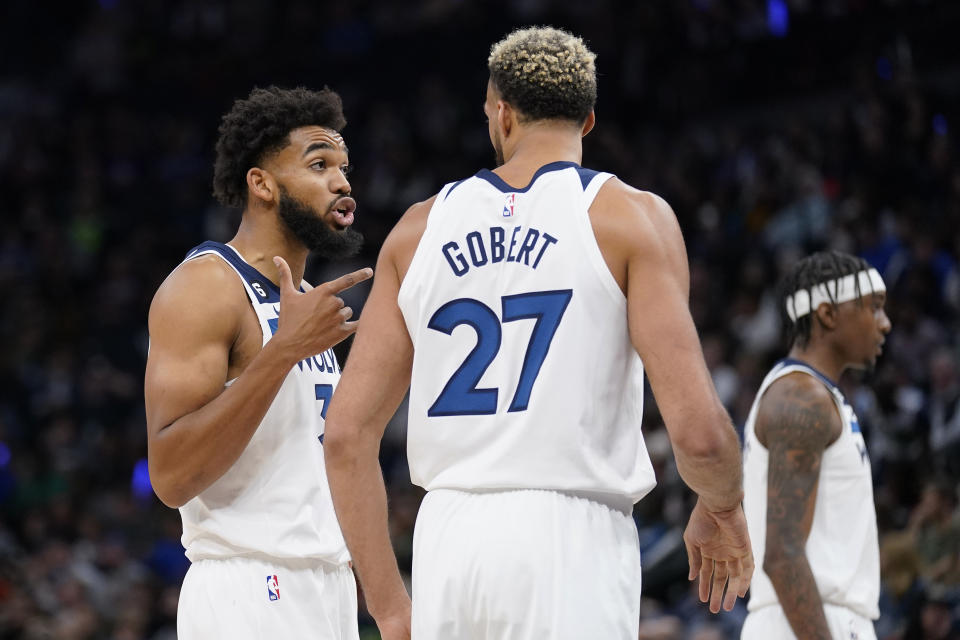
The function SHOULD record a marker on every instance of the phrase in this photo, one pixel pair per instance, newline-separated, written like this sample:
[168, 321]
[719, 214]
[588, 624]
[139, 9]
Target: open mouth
[343, 212]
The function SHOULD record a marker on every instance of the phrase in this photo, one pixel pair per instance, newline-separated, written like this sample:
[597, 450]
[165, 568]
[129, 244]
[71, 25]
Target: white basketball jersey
[842, 546]
[274, 501]
[524, 375]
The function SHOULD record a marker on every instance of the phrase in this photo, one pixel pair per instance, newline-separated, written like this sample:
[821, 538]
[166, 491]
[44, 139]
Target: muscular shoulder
[634, 225]
[402, 242]
[798, 409]
[203, 293]
[632, 209]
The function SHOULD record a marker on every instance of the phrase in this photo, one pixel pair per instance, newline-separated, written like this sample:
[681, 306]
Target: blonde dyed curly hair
[545, 73]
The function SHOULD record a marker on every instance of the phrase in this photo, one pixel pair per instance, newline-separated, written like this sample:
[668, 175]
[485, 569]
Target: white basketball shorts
[525, 564]
[770, 623]
[250, 599]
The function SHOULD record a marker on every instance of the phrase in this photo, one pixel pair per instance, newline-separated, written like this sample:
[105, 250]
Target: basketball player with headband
[808, 493]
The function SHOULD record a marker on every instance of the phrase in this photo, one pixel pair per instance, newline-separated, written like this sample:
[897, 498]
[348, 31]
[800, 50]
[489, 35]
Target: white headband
[834, 291]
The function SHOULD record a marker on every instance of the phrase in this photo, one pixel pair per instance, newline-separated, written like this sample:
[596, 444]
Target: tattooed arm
[797, 420]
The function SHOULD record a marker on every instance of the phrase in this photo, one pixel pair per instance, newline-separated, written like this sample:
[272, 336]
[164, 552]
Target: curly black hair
[261, 124]
[806, 274]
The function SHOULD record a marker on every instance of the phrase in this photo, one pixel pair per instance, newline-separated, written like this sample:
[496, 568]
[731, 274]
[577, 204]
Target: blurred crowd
[774, 128]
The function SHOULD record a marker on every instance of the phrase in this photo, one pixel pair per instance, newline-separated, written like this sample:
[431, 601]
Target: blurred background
[773, 127]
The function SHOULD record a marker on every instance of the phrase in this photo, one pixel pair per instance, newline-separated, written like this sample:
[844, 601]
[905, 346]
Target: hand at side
[718, 548]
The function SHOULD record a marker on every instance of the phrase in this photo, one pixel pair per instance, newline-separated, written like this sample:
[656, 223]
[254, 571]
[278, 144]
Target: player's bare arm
[642, 244]
[797, 421]
[641, 241]
[380, 363]
[202, 333]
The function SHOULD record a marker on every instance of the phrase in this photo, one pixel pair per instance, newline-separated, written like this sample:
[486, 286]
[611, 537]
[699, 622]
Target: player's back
[524, 375]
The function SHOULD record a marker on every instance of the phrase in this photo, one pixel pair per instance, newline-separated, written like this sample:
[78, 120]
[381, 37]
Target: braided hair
[806, 274]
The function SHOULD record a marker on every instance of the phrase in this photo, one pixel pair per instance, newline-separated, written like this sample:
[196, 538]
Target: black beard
[307, 225]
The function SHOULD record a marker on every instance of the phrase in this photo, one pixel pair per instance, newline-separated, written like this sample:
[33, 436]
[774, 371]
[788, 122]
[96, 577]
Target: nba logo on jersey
[509, 205]
[273, 588]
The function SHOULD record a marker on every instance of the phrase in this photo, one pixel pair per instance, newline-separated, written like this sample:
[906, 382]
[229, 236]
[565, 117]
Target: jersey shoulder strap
[791, 365]
[259, 288]
[264, 295]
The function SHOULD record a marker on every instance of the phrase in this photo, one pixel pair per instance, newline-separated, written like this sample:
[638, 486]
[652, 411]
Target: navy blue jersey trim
[801, 363]
[586, 175]
[498, 182]
[455, 185]
[271, 293]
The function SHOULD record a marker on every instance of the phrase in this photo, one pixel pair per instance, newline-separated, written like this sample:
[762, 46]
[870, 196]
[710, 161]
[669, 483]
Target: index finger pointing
[348, 280]
[286, 280]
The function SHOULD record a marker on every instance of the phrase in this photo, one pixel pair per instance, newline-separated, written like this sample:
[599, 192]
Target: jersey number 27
[460, 396]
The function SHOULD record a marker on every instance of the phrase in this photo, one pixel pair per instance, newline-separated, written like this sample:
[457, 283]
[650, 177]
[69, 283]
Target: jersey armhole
[406, 292]
[801, 369]
[265, 331]
[589, 240]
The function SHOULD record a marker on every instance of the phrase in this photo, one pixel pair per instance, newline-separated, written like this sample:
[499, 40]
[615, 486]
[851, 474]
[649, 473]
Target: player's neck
[258, 242]
[821, 357]
[535, 148]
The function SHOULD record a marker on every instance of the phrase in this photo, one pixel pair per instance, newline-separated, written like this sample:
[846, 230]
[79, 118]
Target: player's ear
[826, 314]
[506, 117]
[261, 185]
